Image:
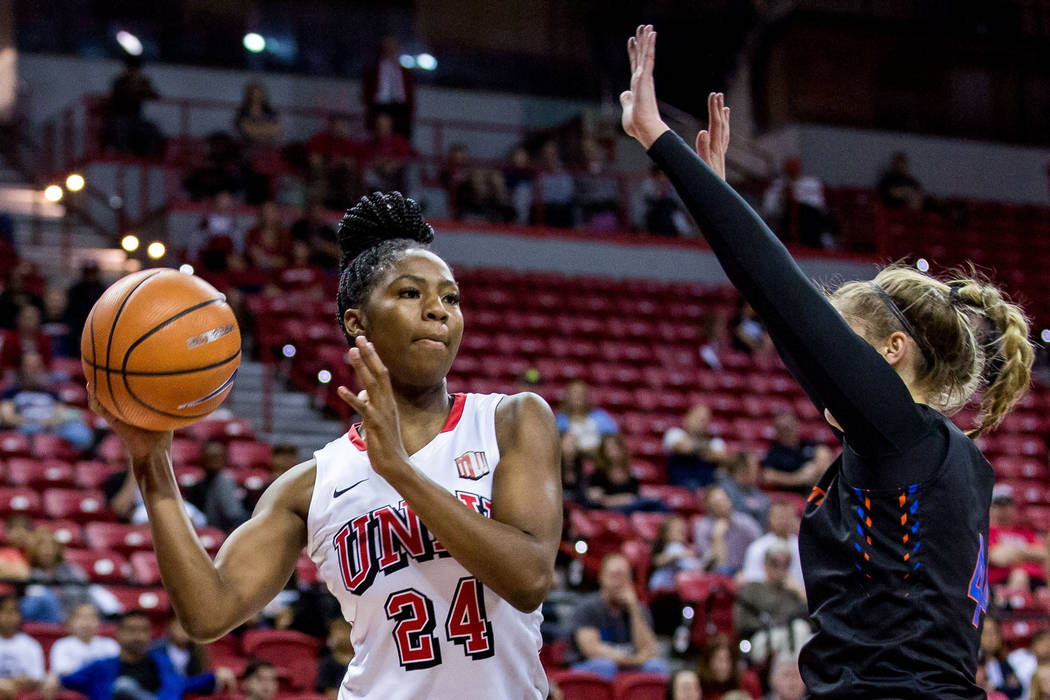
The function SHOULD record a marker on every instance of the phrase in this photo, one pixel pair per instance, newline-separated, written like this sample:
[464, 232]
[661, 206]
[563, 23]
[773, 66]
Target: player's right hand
[139, 442]
[713, 142]
[641, 116]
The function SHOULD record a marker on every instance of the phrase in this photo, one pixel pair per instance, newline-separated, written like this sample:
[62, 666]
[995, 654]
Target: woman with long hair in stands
[894, 537]
[434, 521]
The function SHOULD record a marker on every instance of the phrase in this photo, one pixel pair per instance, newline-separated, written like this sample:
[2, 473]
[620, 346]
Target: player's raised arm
[211, 598]
[841, 371]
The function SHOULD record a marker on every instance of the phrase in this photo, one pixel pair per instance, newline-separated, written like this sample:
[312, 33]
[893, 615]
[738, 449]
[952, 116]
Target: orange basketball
[160, 349]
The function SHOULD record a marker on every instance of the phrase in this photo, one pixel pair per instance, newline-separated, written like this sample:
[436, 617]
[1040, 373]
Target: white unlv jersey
[423, 627]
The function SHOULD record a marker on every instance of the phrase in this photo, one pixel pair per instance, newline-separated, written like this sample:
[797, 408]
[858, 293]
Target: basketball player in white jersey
[434, 521]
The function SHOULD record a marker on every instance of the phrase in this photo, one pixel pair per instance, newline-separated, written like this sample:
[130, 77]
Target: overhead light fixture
[129, 42]
[254, 42]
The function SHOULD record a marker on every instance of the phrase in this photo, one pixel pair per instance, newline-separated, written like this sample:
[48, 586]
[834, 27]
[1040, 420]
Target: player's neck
[422, 413]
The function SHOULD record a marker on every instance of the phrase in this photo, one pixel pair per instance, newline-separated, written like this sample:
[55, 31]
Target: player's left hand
[641, 115]
[378, 410]
[713, 142]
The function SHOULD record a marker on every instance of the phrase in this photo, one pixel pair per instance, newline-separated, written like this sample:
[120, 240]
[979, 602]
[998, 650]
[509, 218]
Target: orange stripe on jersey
[817, 491]
[904, 518]
[901, 500]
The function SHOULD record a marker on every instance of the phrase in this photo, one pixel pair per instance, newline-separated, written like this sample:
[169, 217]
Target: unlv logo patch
[472, 465]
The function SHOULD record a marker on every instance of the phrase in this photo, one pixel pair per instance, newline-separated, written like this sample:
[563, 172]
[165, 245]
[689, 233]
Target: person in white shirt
[783, 527]
[83, 645]
[21, 656]
[1026, 659]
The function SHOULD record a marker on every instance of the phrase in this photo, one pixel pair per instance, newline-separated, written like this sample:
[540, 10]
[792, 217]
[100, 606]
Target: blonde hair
[1036, 690]
[971, 337]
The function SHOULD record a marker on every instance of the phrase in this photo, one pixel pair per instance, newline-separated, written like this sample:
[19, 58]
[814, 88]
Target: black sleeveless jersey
[895, 571]
[894, 537]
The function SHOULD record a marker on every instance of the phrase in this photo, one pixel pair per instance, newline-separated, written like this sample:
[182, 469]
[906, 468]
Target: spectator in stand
[385, 157]
[283, 457]
[332, 668]
[772, 613]
[259, 680]
[579, 418]
[519, 179]
[612, 486]
[313, 230]
[125, 129]
[61, 586]
[898, 189]
[219, 237]
[1016, 555]
[124, 499]
[574, 481]
[83, 645]
[791, 464]
[611, 629]
[18, 533]
[80, 297]
[557, 188]
[671, 553]
[794, 205]
[54, 326]
[1040, 687]
[785, 681]
[693, 454]
[217, 494]
[723, 535]
[138, 672]
[17, 293]
[26, 338]
[32, 407]
[475, 192]
[21, 656]
[741, 485]
[1001, 675]
[187, 656]
[747, 334]
[334, 157]
[1025, 661]
[783, 531]
[267, 243]
[684, 684]
[664, 213]
[389, 88]
[719, 670]
[711, 332]
[597, 188]
[257, 122]
[221, 170]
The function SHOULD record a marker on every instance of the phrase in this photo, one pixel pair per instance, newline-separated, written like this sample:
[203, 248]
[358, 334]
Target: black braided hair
[372, 235]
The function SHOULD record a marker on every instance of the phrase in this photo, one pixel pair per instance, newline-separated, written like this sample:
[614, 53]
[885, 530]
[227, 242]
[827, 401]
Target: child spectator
[671, 553]
[83, 645]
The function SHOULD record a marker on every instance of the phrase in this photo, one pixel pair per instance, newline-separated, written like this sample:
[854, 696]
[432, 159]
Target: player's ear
[895, 347]
[354, 322]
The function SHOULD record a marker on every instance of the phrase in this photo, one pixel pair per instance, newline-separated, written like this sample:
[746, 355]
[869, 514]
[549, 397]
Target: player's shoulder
[292, 490]
[515, 409]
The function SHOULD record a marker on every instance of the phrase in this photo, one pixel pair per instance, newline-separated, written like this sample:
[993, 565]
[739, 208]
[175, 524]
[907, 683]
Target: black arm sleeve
[838, 369]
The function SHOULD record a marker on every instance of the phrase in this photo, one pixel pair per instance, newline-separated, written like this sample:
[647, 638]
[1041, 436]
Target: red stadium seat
[294, 652]
[144, 568]
[640, 686]
[712, 597]
[118, 537]
[578, 685]
[53, 446]
[244, 455]
[553, 654]
[101, 567]
[153, 601]
[19, 500]
[39, 473]
[678, 499]
[211, 537]
[91, 475]
[67, 532]
[188, 475]
[185, 452]
[112, 450]
[638, 553]
[646, 525]
[76, 505]
[306, 570]
[14, 444]
[47, 633]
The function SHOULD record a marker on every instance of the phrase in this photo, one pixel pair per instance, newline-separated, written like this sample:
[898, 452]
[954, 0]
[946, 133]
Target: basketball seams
[147, 334]
[223, 389]
[112, 331]
[167, 373]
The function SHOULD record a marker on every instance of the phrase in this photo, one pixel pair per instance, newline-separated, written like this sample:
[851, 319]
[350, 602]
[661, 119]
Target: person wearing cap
[765, 612]
[1016, 555]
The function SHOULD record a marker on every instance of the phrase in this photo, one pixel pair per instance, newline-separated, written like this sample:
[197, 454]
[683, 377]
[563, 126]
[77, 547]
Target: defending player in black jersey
[895, 534]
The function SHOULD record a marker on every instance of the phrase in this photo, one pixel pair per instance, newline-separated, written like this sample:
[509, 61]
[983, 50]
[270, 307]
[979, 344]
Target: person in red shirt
[267, 243]
[26, 337]
[1016, 555]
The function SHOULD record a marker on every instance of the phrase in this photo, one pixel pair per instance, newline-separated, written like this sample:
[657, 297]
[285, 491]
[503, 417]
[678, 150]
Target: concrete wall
[946, 167]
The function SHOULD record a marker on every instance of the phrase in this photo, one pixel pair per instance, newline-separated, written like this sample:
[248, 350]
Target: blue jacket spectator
[586, 423]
